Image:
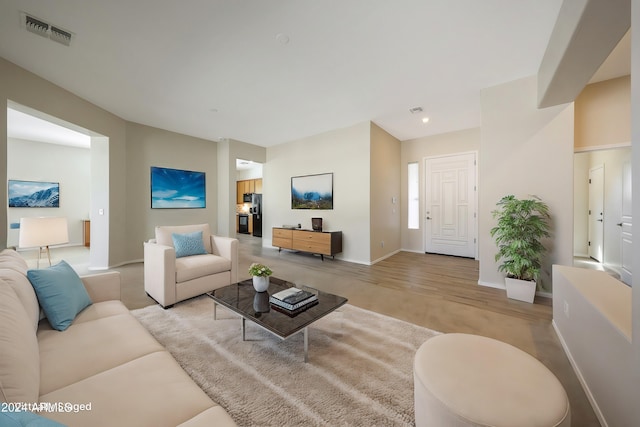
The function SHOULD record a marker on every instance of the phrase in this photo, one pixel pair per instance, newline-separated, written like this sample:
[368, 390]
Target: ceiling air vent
[415, 110]
[44, 29]
[36, 26]
[61, 36]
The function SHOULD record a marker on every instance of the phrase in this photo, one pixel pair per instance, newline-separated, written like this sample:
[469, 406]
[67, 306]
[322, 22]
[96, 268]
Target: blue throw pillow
[26, 419]
[60, 292]
[188, 244]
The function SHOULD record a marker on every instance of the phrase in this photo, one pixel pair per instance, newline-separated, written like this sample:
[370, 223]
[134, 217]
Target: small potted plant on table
[260, 273]
[522, 223]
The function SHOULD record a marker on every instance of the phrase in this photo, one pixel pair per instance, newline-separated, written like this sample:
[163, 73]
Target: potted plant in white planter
[522, 223]
[260, 273]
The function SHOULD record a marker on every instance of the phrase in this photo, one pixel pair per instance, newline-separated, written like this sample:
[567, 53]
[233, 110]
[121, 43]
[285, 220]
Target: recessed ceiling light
[282, 38]
[425, 120]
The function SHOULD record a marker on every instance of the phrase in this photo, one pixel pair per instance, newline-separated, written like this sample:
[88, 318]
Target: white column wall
[525, 151]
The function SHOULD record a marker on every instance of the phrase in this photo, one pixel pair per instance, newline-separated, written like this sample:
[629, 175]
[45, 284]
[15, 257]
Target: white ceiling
[220, 68]
[25, 126]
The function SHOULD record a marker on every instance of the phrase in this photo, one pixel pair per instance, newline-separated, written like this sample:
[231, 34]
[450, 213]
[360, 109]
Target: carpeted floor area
[360, 369]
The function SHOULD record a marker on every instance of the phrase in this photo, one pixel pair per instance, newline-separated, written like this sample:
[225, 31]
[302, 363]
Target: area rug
[360, 370]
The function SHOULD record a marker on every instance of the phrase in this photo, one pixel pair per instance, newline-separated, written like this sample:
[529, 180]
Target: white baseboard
[543, 294]
[492, 285]
[578, 373]
[120, 264]
[386, 256]
[413, 251]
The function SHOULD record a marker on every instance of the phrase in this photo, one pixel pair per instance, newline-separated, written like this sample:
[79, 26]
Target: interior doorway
[249, 198]
[602, 240]
[43, 147]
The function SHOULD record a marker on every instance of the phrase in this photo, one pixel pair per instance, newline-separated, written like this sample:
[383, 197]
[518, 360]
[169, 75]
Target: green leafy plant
[521, 226]
[261, 270]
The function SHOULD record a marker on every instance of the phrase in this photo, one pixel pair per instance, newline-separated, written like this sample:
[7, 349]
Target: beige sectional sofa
[105, 369]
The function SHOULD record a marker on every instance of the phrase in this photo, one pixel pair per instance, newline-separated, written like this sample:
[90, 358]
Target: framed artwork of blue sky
[177, 189]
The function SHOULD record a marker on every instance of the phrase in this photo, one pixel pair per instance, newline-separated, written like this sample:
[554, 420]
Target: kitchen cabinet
[239, 191]
[316, 242]
[247, 186]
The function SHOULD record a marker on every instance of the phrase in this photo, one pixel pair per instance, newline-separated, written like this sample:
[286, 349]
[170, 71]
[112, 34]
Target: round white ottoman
[469, 380]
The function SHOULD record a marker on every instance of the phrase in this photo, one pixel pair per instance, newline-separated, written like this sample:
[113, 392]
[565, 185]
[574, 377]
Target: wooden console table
[317, 242]
[86, 232]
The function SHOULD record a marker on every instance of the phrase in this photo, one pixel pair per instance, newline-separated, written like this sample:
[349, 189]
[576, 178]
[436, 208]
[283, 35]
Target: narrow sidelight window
[413, 196]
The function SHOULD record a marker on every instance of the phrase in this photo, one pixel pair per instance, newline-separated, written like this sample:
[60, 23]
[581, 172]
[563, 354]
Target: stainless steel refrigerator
[256, 211]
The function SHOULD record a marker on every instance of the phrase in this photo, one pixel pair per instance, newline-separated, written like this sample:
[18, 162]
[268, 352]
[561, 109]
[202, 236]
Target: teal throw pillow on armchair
[188, 244]
[60, 292]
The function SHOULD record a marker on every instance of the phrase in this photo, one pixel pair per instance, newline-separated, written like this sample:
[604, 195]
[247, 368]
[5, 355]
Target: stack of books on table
[293, 300]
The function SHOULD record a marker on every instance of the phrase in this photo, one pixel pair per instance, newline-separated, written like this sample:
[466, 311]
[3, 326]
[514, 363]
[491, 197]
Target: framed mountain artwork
[33, 194]
[312, 191]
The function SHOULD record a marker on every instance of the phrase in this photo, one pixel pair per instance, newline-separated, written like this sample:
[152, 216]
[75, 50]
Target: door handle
[428, 217]
[599, 220]
[619, 224]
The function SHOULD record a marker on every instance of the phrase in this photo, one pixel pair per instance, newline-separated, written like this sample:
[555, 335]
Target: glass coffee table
[242, 299]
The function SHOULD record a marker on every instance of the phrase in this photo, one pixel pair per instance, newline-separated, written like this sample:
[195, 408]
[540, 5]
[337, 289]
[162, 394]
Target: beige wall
[385, 194]
[131, 150]
[603, 115]
[27, 89]
[581, 164]
[525, 151]
[416, 150]
[344, 152]
[148, 146]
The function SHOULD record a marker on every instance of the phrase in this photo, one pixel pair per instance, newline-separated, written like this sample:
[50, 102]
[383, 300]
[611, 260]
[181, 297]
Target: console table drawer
[311, 246]
[282, 233]
[282, 243]
[312, 236]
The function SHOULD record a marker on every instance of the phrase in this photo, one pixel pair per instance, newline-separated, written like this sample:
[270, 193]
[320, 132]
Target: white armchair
[169, 280]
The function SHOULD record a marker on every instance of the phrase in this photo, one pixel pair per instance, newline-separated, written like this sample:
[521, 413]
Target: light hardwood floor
[434, 291]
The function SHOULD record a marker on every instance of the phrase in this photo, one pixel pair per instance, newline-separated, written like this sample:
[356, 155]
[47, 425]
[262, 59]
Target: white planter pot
[261, 283]
[522, 290]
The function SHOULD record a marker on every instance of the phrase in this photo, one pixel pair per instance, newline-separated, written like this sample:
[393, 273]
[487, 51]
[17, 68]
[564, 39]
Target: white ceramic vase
[261, 283]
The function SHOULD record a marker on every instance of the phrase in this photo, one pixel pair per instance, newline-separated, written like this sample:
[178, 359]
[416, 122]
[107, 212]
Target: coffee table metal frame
[242, 299]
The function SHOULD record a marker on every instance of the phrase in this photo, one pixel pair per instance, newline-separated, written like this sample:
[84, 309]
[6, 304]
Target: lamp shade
[43, 231]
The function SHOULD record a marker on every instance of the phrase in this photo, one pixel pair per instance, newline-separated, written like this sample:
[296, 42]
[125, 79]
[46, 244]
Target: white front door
[626, 222]
[596, 213]
[450, 205]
